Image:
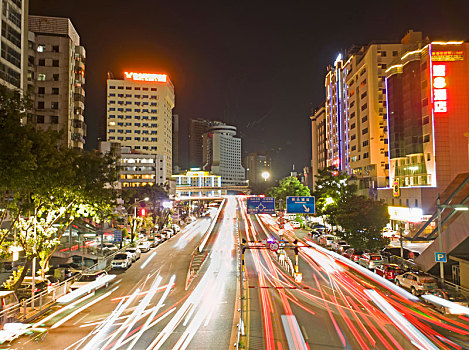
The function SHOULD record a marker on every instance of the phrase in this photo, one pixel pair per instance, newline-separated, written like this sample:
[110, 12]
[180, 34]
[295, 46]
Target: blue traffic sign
[261, 205]
[300, 205]
[117, 236]
[440, 257]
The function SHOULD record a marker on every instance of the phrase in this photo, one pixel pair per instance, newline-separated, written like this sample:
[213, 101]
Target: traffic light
[142, 212]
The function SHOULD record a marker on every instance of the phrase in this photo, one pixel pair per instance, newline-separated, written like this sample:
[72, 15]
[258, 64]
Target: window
[41, 90]
[363, 95]
[426, 120]
[54, 119]
[395, 53]
[41, 48]
[426, 138]
[137, 96]
[128, 88]
[365, 143]
[55, 91]
[120, 88]
[41, 62]
[352, 126]
[112, 87]
[153, 89]
[137, 88]
[354, 148]
[365, 155]
[55, 77]
[145, 89]
[55, 63]
[54, 105]
[364, 119]
[364, 131]
[353, 137]
[40, 105]
[40, 119]
[383, 53]
[41, 77]
[364, 107]
[55, 48]
[425, 102]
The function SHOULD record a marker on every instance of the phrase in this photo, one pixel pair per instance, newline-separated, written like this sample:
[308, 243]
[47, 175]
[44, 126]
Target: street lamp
[146, 199]
[439, 208]
[265, 175]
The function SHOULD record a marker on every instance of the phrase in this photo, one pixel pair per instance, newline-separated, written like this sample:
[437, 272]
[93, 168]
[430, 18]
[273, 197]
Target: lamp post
[134, 224]
[439, 208]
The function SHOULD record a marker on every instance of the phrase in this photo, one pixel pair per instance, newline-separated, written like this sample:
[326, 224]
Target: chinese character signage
[440, 103]
[261, 205]
[447, 56]
[300, 205]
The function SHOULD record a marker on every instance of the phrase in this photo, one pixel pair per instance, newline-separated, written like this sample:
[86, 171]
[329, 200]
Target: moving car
[87, 278]
[449, 295]
[135, 253]
[417, 282]
[121, 261]
[144, 246]
[327, 240]
[389, 271]
[295, 224]
[370, 261]
[353, 254]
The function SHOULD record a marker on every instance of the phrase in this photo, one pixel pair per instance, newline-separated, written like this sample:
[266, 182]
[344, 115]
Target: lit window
[41, 48]
[41, 77]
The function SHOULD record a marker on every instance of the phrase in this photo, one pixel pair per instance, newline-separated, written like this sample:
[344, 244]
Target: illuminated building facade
[428, 116]
[196, 178]
[222, 154]
[139, 114]
[319, 150]
[13, 43]
[256, 164]
[355, 114]
[139, 170]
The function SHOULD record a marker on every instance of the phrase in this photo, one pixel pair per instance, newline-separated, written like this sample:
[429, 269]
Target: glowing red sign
[159, 78]
[440, 103]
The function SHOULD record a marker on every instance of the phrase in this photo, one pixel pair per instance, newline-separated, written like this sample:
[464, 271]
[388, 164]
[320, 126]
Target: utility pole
[401, 241]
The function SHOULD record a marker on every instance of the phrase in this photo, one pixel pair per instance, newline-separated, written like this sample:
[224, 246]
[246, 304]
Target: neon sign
[448, 56]
[439, 88]
[159, 78]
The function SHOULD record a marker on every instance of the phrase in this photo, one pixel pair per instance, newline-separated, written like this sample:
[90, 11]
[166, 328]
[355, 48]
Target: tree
[44, 186]
[289, 186]
[332, 188]
[362, 220]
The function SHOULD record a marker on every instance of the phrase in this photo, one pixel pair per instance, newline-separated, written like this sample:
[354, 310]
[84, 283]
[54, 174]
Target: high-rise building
[256, 164]
[355, 112]
[222, 154]
[175, 143]
[139, 114]
[319, 150]
[428, 116]
[56, 76]
[13, 43]
[197, 127]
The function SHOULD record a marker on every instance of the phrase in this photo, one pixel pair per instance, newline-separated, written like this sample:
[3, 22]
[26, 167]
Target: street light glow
[265, 175]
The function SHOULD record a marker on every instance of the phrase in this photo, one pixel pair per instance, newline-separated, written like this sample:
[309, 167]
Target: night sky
[257, 65]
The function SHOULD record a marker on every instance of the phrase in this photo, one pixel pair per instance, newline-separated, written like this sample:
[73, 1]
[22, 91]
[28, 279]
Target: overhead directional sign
[300, 205]
[117, 236]
[261, 205]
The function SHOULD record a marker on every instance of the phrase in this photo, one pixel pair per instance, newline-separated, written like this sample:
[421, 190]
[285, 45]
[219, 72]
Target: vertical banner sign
[396, 192]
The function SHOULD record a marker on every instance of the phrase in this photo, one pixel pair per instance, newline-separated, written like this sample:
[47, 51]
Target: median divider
[199, 255]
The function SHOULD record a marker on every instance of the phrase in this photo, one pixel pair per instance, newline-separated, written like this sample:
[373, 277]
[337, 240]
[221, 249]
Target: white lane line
[76, 312]
[148, 260]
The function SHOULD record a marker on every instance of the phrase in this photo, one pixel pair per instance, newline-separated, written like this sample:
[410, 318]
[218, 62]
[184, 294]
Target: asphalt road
[331, 307]
[148, 307]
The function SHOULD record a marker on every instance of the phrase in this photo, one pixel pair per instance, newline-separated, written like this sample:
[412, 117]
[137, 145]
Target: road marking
[148, 260]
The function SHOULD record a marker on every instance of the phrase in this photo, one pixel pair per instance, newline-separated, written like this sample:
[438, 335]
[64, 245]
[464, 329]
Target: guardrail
[210, 228]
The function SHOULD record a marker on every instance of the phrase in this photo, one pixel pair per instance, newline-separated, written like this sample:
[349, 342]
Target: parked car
[389, 271]
[176, 228]
[417, 282]
[25, 289]
[87, 278]
[153, 241]
[370, 261]
[407, 253]
[449, 295]
[144, 246]
[353, 254]
[342, 248]
[50, 281]
[109, 247]
[169, 231]
[135, 253]
[327, 240]
[7, 298]
[295, 224]
[337, 244]
[121, 261]
[315, 233]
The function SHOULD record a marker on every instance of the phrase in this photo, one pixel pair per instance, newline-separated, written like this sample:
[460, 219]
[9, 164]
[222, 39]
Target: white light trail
[415, 336]
[88, 288]
[455, 308]
[76, 312]
[292, 331]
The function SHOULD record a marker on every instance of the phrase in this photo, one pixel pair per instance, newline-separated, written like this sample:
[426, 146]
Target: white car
[144, 246]
[295, 224]
[327, 240]
[109, 247]
[134, 253]
[370, 261]
[417, 282]
[336, 245]
[176, 228]
[121, 261]
[87, 278]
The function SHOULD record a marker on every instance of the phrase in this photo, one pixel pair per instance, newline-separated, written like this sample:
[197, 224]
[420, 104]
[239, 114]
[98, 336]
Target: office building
[196, 183]
[175, 143]
[222, 154]
[198, 127]
[256, 164]
[139, 114]
[56, 78]
[140, 170]
[428, 118]
[13, 43]
[355, 112]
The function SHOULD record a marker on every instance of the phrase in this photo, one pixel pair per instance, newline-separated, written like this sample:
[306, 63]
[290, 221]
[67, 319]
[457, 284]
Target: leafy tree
[332, 188]
[362, 220]
[44, 186]
[289, 186]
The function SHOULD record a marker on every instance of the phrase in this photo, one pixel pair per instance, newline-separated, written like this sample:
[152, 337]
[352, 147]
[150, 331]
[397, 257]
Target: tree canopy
[289, 186]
